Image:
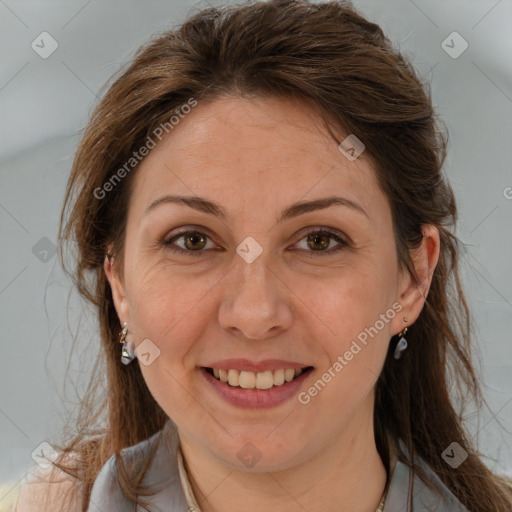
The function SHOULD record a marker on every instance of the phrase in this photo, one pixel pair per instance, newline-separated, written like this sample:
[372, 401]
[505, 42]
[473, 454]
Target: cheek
[169, 309]
[346, 304]
[351, 318]
[353, 356]
[166, 307]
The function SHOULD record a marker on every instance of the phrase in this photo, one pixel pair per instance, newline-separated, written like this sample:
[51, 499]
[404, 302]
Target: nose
[256, 302]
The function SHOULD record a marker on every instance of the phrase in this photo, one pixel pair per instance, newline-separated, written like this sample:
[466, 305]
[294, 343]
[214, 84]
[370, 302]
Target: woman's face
[253, 286]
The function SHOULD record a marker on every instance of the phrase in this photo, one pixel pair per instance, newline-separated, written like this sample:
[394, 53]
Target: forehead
[258, 151]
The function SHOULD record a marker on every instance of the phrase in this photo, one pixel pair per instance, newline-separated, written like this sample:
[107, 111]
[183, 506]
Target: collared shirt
[192, 504]
[168, 473]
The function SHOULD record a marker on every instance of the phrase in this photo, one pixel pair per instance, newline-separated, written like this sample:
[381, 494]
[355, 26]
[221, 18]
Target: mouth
[255, 381]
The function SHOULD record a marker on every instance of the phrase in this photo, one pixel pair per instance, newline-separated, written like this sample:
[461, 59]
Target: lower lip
[256, 398]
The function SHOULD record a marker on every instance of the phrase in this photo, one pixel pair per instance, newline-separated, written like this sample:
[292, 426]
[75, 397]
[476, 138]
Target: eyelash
[343, 244]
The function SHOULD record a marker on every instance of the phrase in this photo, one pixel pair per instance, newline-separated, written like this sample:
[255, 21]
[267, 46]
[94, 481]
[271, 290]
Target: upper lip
[252, 366]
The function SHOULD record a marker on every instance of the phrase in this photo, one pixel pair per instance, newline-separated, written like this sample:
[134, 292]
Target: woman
[262, 222]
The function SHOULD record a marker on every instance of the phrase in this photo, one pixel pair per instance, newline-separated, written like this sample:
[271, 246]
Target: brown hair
[331, 57]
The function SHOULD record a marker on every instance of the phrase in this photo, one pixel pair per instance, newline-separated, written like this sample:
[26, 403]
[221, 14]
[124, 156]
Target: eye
[194, 242]
[319, 240]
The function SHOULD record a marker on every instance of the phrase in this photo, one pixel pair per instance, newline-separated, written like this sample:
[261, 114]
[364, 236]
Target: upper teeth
[260, 380]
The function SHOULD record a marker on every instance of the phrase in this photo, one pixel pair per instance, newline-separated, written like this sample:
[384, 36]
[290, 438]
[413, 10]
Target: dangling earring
[401, 345]
[127, 351]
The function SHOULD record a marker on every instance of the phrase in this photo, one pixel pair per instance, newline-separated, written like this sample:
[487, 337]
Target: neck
[349, 473]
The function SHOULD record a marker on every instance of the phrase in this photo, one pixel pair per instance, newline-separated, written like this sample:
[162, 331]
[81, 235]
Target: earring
[401, 345]
[127, 351]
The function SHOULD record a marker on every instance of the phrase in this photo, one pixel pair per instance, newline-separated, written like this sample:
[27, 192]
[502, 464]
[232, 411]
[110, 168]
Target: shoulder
[106, 493]
[48, 489]
[445, 500]
[9, 492]
[405, 481]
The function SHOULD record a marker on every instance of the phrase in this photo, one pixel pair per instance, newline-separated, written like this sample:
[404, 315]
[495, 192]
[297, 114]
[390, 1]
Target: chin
[259, 453]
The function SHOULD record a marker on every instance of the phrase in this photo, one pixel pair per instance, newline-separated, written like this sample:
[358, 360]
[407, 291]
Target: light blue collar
[106, 495]
[406, 489]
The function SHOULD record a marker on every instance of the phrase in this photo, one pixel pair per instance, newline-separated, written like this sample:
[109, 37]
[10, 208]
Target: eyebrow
[204, 205]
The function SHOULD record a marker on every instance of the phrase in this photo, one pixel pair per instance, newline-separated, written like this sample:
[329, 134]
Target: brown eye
[194, 240]
[319, 241]
[193, 243]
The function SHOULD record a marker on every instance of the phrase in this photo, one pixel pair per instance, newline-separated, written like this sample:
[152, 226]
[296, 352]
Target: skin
[294, 302]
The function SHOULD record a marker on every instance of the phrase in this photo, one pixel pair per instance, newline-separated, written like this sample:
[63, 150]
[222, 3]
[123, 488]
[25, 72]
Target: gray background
[45, 103]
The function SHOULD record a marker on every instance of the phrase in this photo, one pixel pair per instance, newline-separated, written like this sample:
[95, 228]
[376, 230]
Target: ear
[413, 293]
[118, 292]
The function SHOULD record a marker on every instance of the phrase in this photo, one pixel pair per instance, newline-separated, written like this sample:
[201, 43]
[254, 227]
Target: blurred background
[55, 58]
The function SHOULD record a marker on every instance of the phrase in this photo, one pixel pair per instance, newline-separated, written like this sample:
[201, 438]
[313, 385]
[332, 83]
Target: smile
[253, 380]
[255, 390]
